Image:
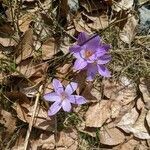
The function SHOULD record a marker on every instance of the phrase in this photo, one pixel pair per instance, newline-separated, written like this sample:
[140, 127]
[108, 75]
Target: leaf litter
[116, 115]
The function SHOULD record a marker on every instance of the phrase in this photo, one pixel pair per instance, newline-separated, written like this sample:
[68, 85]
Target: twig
[32, 118]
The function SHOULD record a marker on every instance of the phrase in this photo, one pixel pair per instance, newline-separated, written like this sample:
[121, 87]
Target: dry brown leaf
[67, 140]
[8, 121]
[24, 112]
[94, 4]
[29, 69]
[7, 42]
[49, 48]
[46, 142]
[123, 91]
[148, 118]
[122, 5]
[81, 26]
[110, 135]
[140, 104]
[131, 123]
[6, 30]
[143, 86]
[24, 49]
[101, 112]
[25, 20]
[129, 145]
[99, 21]
[128, 33]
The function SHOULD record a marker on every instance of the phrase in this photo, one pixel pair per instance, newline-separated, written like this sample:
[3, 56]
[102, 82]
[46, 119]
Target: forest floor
[35, 37]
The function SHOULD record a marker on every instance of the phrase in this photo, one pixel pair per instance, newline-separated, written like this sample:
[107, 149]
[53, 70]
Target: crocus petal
[52, 97]
[70, 88]
[100, 52]
[82, 37]
[103, 71]
[55, 107]
[75, 49]
[66, 105]
[80, 64]
[105, 46]
[91, 72]
[104, 59]
[93, 43]
[57, 86]
[76, 99]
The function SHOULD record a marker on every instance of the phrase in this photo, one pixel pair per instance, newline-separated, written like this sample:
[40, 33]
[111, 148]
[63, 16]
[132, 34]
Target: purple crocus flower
[91, 55]
[63, 98]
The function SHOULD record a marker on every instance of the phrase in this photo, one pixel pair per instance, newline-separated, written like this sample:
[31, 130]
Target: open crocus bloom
[91, 55]
[63, 98]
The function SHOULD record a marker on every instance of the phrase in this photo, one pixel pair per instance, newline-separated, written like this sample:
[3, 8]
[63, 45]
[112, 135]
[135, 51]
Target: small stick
[32, 118]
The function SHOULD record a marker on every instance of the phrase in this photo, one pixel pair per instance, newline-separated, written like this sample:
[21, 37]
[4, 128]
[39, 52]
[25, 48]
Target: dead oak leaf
[24, 49]
[132, 122]
[24, 112]
[111, 135]
[128, 33]
[49, 48]
[67, 140]
[101, 112]
[8, 121]
[122, 5]
[123, 91]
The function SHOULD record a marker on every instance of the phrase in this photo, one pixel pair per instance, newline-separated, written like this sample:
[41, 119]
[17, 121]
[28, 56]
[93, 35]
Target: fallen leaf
[24, 112]
[99, 113]
[7, 42]
[122, 5]
[133, 123]
[110, 135]
[128, 145]
[123, 91]
[143, 86]
[25, 20]
[95, 5]
[46, 141]
[148, 118]
[128, 33]
[49, 48]
[67, 140]
[99, 21]
[6, 30]
[24, 49]
[8, 121]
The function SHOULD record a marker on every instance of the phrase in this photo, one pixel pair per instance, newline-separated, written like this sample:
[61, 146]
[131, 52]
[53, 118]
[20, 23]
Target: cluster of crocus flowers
[63, 98]
[91, 55]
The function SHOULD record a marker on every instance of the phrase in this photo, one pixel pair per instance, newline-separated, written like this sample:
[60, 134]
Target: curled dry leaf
[24, 49]
[143, 86]
[110, 135]
[49, 48]
[133, 123]
[123, 91]
[148, 118]
[67, 140]
[41, 120]
[128, 33]
[7, 42]
[25, 20]
[95, 5]
[46, 141]
[128, 145]
[122, 5]
[101, 112]
[99, 21]
[8, 121]
[31, 70]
